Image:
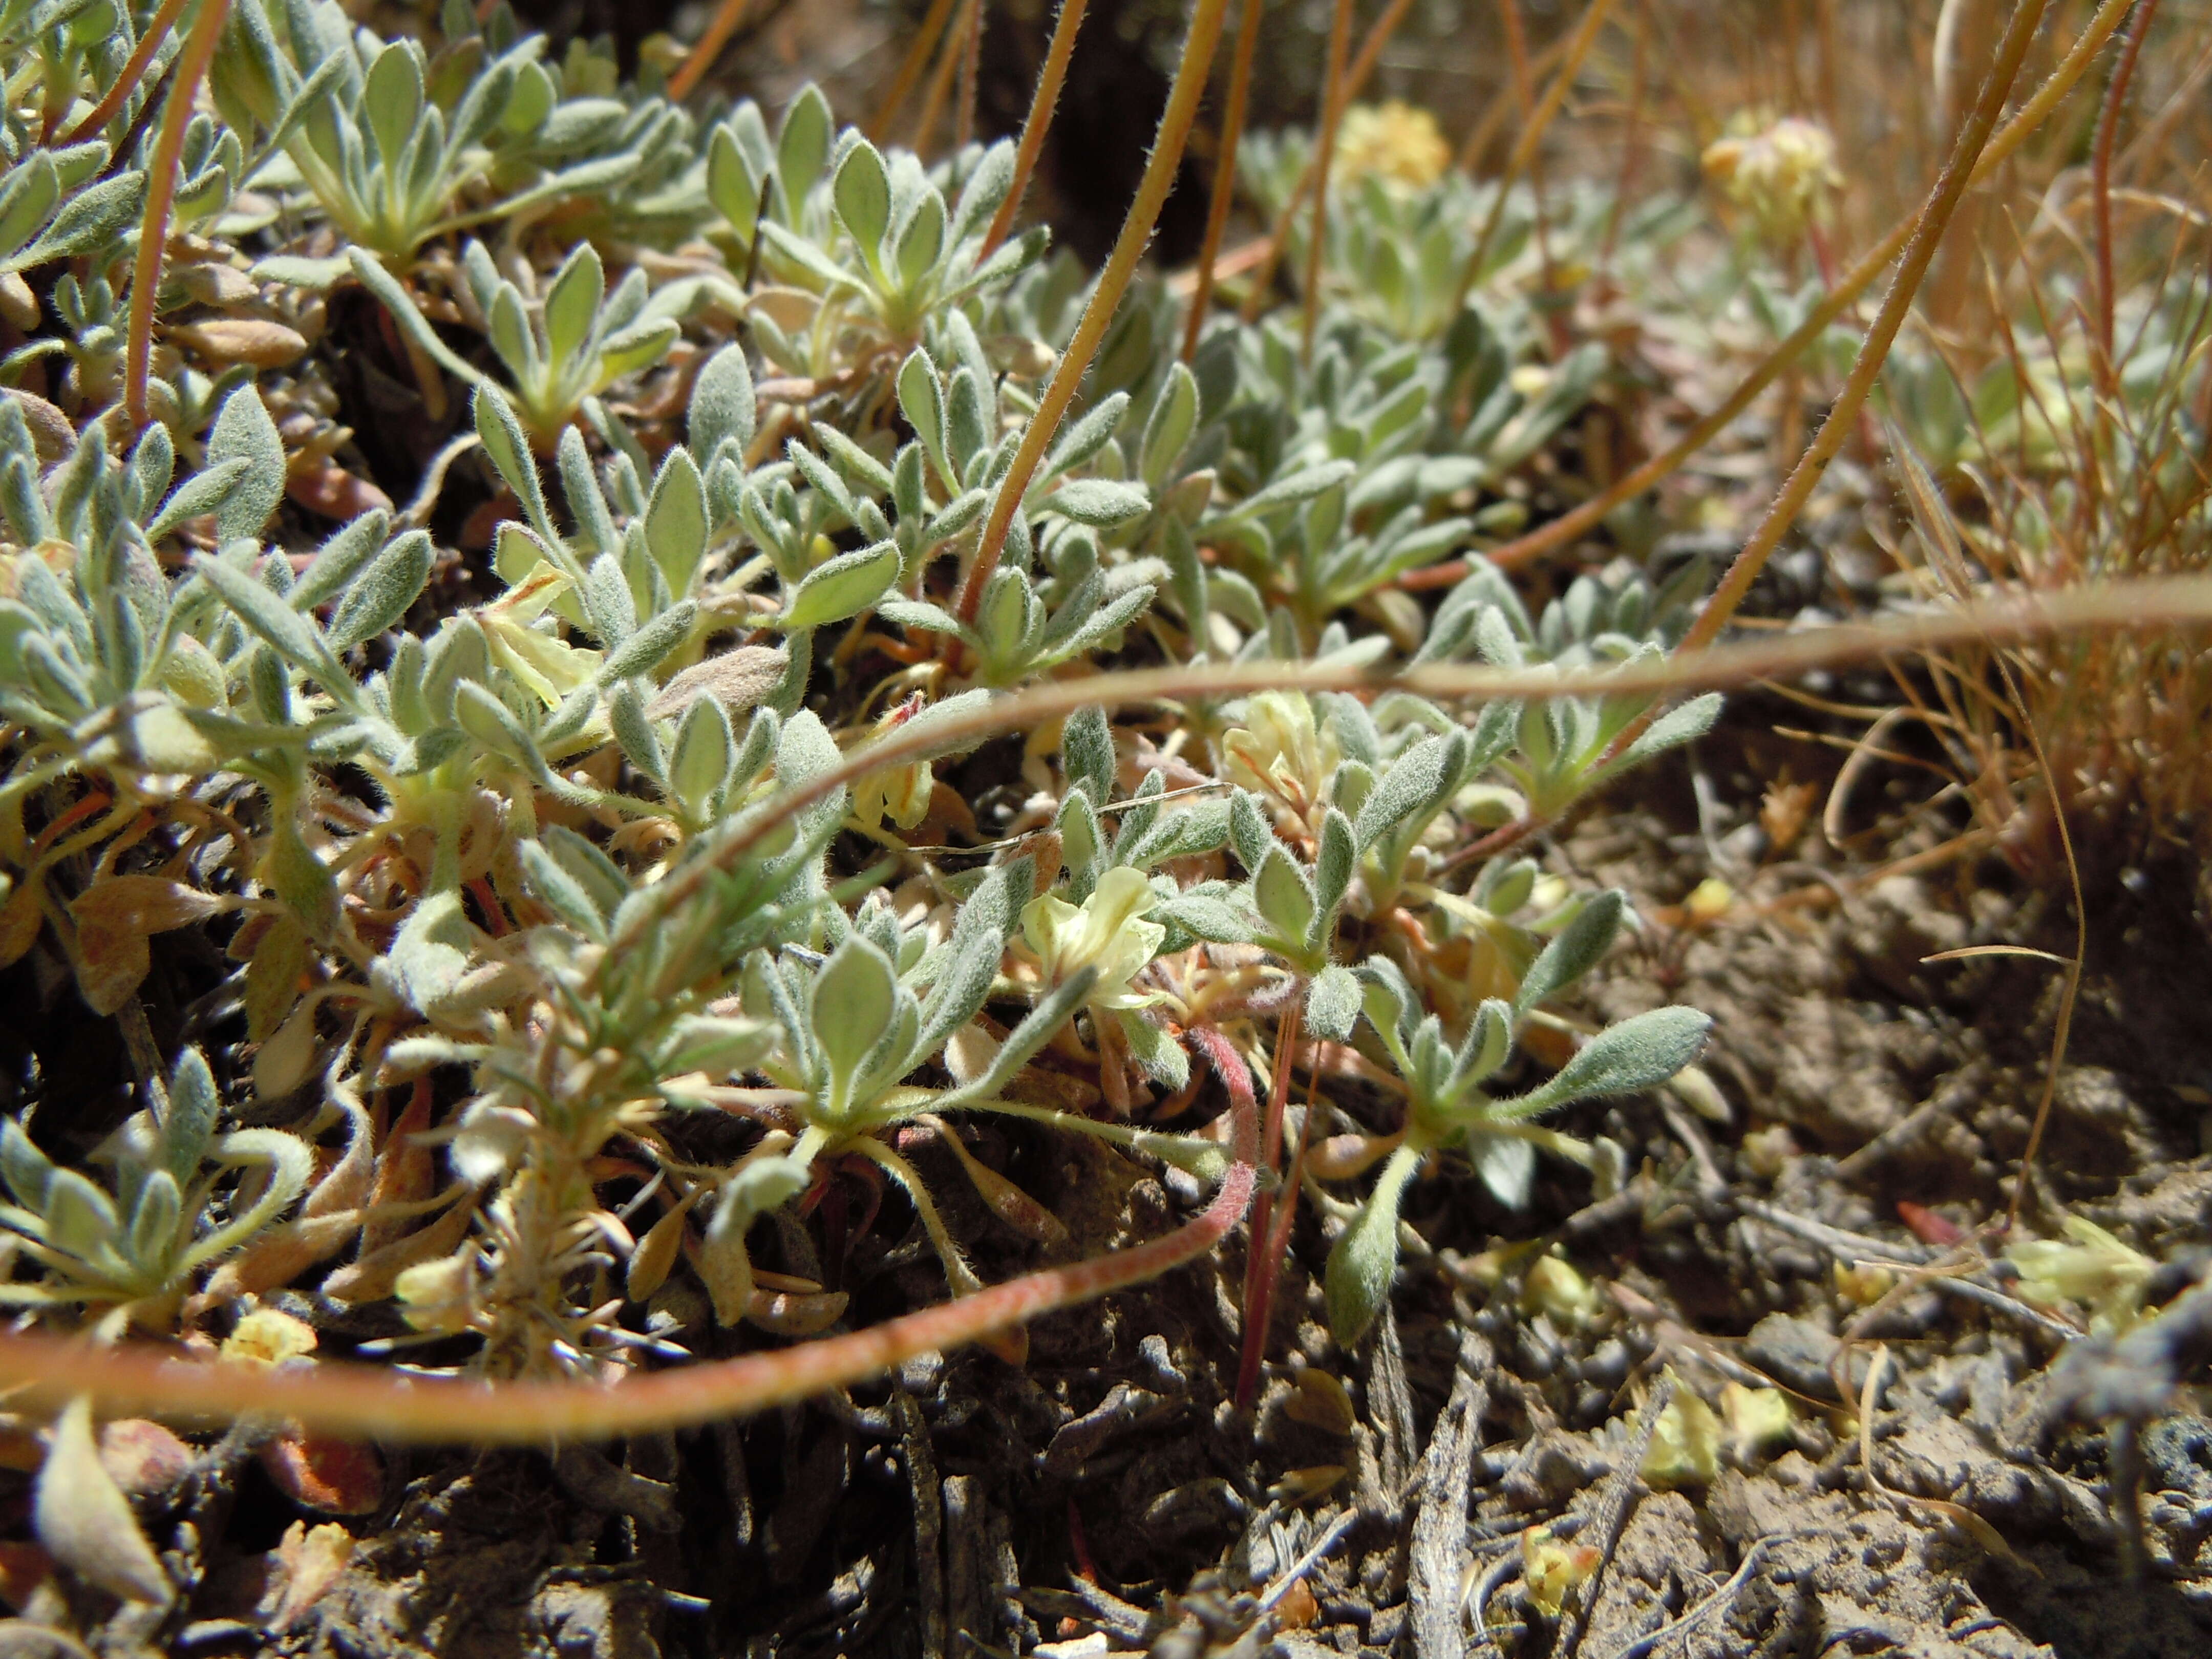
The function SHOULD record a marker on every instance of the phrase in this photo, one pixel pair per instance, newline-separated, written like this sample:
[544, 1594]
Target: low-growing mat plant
[845, 674]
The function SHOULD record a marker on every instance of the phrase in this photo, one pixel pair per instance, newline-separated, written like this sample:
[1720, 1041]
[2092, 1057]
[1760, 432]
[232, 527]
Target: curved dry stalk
[1525, 550]
[1532, 135]
[2006, 620]
[1152, 190]
[1042, 103]
[133, 71]
[1332, 115]
[161, 196]
[701, 57]
[1873, 352]
[359, 1399]
[910, 67]
[1224, 172]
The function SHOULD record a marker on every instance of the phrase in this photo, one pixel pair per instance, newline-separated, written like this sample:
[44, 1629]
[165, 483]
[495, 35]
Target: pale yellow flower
[1398, 142]
[1107, 932]
[1279, 751]
[1782, 175]
[2096, 1270]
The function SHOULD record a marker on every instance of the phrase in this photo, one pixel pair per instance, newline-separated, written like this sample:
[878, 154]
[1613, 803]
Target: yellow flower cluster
[1396, 142]
[1781, 174]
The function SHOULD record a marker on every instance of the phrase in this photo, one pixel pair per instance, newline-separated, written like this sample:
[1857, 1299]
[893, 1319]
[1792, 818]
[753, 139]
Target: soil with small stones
[1105, 1496]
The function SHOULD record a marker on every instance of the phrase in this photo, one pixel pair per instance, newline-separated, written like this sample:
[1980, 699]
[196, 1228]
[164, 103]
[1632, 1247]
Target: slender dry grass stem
[701, 57]
[1525, 550]
[910, 67]
[1355, 83]
[1873, 352]
[2106, 607]
[133, 71]
[1042, 103]
[971, 64]
[1224, 172]
[161, 196]
[1332, 115]
[1189, 86]
[941, 79]
[2100, 183]
[1532, 135]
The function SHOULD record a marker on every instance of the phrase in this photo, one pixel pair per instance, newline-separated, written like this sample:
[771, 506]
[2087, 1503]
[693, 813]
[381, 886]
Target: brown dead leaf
[332, 492]
[51, 434]
[371, 1278]
[790, 1313]
[739, 679]
[115, 918]
[405, 1168]
[20, 921]
[242, 340]
[142, 1457]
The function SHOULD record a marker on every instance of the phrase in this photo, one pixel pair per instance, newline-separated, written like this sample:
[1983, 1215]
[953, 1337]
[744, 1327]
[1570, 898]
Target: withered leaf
[739, 679]
[84, 1520]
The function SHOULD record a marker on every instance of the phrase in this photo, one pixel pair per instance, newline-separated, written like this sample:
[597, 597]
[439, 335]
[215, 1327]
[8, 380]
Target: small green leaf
[723, 407]
[1100, 503]
[1332, 1003]
[572, 306]
[1174, 417]
[380, 596]
[1574, 952]
[641, 652]
[193, 1108]
[854, 999]
[1086, 754]
[862, 191]
[1364, 1261]
[844, 588]
[675, 519]
[1638, 1053]
[243, 431]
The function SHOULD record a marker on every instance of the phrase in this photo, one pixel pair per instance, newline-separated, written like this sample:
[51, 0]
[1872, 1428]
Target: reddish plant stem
[971, 55]
[133, 71]
[701, 57]
[910, 67]
[1332, 115]
[160, 197]
[1532, 135]
[1174, 132]
[1370, 53]
[1045, 100]
[359, 1399]
[1224, 172]
[941, 79]
[1261, 1261]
